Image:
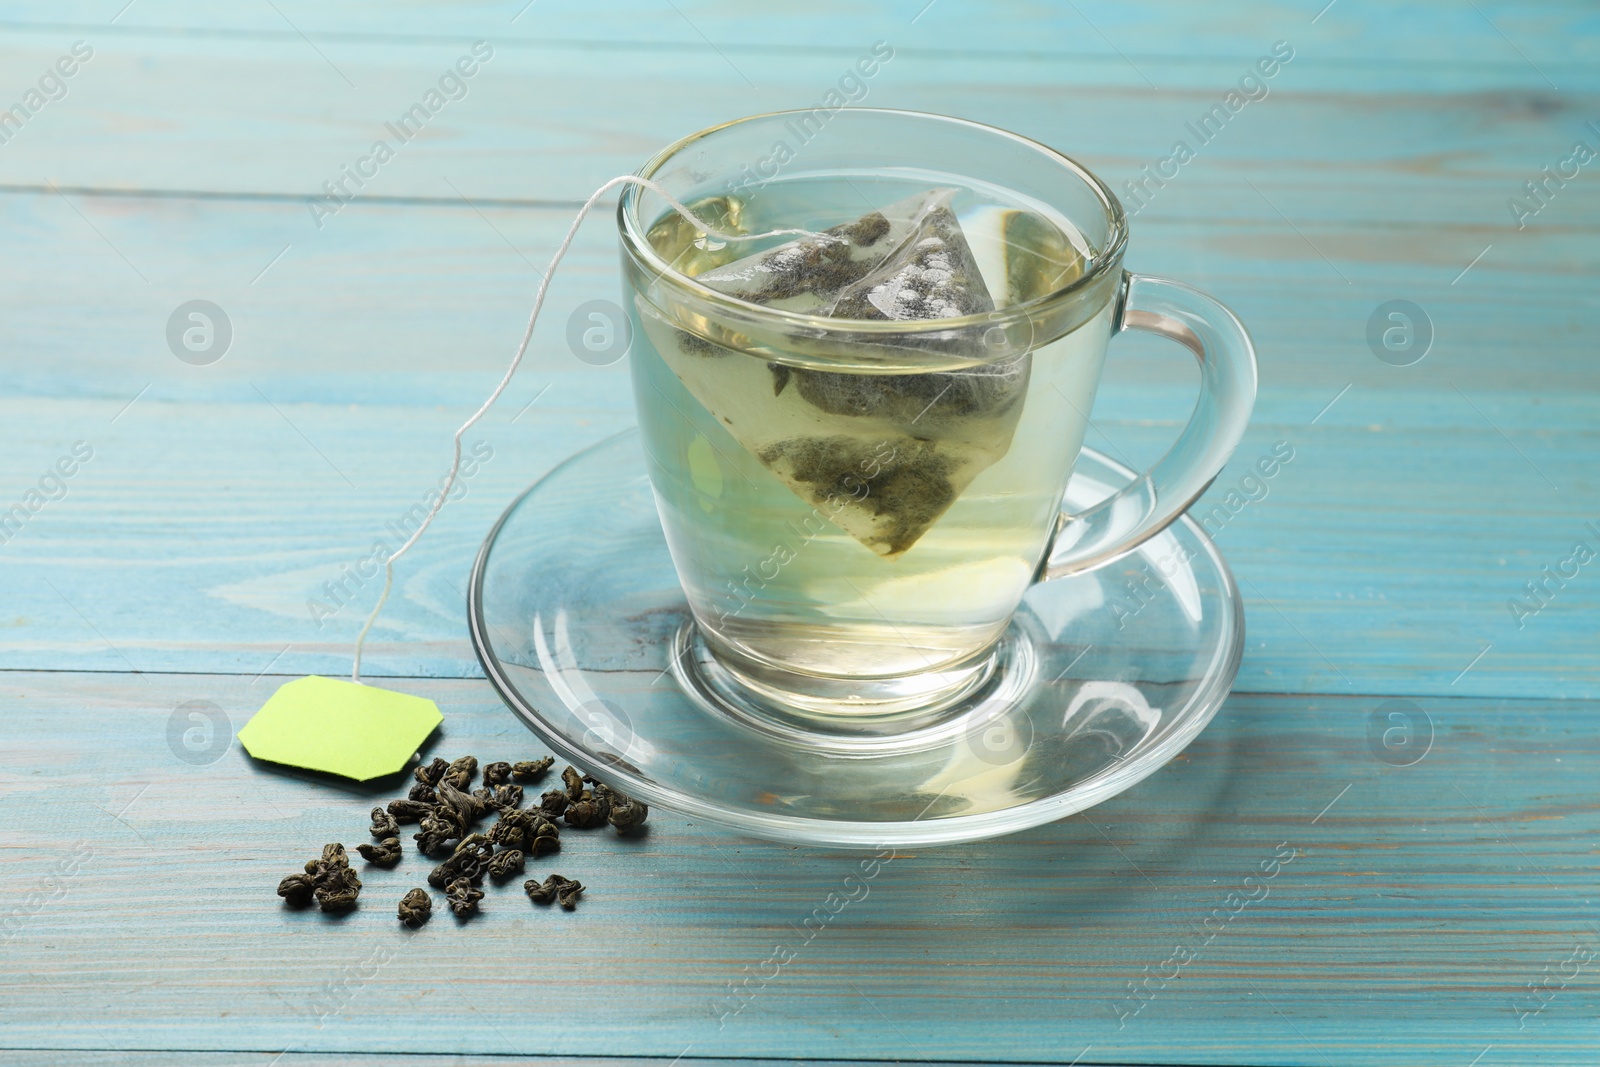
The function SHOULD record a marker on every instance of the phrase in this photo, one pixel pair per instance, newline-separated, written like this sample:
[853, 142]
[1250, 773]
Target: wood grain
[1410, 33]
[1381, 560]
[1415, 909]
[1422, 902]
[246, 115]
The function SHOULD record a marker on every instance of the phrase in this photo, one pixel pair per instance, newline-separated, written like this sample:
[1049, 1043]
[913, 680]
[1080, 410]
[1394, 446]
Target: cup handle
[1139, 511]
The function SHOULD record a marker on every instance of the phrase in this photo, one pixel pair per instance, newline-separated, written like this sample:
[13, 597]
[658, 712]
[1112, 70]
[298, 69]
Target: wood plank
[552, 122]
[1419, 904]
[1428, 910]
[1382, 560]
[165, 556]
[1397, 35]
[398, 303]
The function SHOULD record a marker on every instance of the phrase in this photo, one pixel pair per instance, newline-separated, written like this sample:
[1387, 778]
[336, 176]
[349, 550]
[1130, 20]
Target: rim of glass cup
[1107, 258]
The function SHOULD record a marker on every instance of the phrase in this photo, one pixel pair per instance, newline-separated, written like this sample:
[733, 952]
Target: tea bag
[881, 456]
[872, 268]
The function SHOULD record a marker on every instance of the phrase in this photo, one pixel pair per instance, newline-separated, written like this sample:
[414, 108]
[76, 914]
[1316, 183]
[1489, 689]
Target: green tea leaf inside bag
[881, 456]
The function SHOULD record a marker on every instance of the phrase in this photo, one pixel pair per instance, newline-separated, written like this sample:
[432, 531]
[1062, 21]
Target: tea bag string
[516, 361]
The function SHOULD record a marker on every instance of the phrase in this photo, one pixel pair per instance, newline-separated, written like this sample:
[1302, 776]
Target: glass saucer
[578, 619]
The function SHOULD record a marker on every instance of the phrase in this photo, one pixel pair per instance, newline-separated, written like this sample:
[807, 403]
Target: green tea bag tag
[344, 728]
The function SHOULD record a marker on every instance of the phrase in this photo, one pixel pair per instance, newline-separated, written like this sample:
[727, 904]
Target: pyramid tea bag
[881, 456]
[836, 272]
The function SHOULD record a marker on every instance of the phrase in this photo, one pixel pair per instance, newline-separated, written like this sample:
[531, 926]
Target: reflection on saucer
[1113, 713]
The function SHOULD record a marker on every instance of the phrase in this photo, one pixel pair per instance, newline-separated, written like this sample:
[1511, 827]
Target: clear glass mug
[848, 559]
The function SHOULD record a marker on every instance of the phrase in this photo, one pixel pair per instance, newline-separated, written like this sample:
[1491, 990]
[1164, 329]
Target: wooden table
[1438, 910]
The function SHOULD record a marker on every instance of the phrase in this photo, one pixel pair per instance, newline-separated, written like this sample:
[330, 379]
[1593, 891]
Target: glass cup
[856, 506]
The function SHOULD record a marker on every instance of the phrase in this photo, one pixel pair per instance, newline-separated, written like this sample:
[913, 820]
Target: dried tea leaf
[461, 772]
[383, 824]
[505, 864]
[531, 770]
[338, 889]
[627, 814]
[385, 853]
[442, 825]
[466, 805]
[463, 897]
[545, 840]
[407, 811]
[297, 889]
[554, 889]
[431, 774]
[505, 797]
[416, 907]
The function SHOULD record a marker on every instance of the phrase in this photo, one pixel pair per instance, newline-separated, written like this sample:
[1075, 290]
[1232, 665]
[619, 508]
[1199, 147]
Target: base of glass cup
[869, 714]
[849, 705]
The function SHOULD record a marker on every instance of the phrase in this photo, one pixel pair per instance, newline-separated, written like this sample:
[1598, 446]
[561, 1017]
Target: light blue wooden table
[1441, 912]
